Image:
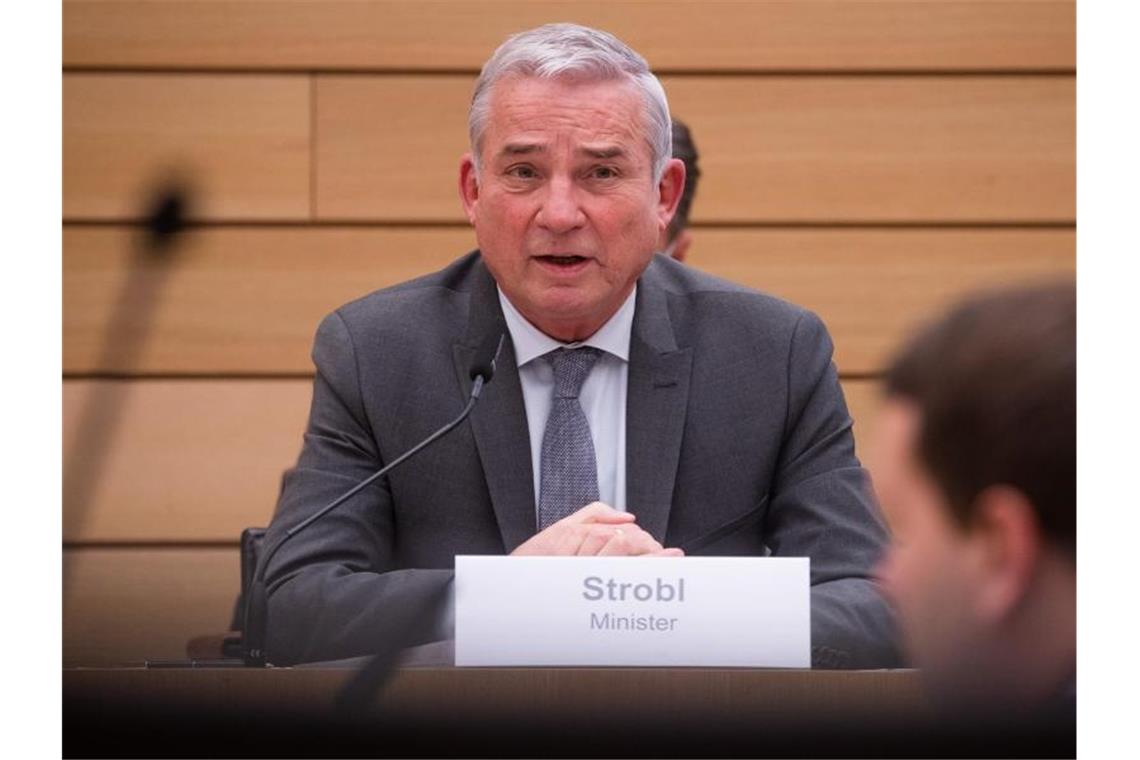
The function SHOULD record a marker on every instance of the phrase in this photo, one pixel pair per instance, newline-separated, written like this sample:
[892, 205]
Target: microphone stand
[256, 608]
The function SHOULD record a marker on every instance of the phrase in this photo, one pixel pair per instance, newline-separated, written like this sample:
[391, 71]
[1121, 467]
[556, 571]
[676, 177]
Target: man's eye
[604, 172]
[522, 172]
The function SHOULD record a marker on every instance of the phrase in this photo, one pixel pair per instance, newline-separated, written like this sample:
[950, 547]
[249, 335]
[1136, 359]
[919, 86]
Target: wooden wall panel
[177, 460]
[242, 141]
[872, 287]
[198, 461]
[773, 149]
[249, 300]
[460, 34]
[124, 606]
[388, 147]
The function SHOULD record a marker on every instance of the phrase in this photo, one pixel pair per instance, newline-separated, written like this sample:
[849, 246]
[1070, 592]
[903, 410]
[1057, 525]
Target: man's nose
[560, 212]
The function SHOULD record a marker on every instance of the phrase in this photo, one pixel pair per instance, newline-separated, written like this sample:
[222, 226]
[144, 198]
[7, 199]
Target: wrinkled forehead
[525, 108]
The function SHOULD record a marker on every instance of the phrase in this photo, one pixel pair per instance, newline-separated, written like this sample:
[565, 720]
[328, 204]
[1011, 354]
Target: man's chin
[566, 315]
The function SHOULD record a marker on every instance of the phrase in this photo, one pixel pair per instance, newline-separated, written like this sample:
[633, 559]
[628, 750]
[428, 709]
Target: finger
[617, 546]
[667, 553]
[600, 512]
[585, 539]
[568, 538]
[640, 542]
[630, 541]
[596, 537]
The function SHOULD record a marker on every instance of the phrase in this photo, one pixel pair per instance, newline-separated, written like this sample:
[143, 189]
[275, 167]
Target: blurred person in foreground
[975, 468]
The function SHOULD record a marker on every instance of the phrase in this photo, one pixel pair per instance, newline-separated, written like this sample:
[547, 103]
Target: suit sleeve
[333, 590]
[822, 508]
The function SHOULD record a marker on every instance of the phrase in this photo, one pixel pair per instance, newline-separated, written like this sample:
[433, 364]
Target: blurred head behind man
[570, 182]
[678, 237]
[975, 469]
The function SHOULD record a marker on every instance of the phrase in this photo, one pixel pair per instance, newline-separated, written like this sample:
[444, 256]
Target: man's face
[565, 208]
[931, 570]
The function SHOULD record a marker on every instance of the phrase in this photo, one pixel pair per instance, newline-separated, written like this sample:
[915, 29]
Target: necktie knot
[571, 368]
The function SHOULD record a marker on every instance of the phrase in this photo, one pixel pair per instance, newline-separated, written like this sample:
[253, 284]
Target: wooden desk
[511, 712]
[480, 711]
[765, 694]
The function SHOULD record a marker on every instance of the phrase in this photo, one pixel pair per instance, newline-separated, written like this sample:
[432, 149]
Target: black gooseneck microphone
[256, 606]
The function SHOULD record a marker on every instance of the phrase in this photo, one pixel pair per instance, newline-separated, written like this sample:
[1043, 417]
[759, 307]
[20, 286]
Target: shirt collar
[531, 343]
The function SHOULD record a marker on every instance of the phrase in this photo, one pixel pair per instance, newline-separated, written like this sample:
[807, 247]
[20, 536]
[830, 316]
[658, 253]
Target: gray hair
[569, 50]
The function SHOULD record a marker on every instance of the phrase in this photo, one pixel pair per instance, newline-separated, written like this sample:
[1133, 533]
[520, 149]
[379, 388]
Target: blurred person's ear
[1007, 537]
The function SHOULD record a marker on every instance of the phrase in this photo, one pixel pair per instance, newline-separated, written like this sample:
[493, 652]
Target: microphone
[256, 606]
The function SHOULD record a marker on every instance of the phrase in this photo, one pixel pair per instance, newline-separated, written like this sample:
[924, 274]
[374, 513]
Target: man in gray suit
[639, 407]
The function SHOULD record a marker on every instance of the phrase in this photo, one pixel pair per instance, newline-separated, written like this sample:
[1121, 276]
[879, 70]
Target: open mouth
[562, 261]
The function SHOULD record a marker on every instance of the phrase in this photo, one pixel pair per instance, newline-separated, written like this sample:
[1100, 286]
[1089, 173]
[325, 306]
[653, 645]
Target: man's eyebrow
[522, 149]
[603, 151]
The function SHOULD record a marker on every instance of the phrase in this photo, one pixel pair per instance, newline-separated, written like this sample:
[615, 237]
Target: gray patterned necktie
[569, 468]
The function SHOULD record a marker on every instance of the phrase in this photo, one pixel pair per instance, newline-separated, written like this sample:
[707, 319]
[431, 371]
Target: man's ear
[1008, 537]
[670, 188]
[468, 186]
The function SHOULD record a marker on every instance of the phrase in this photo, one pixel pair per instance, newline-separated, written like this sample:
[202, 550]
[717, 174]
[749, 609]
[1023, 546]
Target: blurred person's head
[678, 237]
[975, 469]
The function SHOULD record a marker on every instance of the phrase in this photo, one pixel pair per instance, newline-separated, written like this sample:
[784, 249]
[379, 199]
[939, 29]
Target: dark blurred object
[411, 623]
[167, 216]
[164, 221]
[252, 542]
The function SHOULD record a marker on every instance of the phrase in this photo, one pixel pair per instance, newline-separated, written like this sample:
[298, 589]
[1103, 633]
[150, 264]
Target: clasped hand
[595, 529]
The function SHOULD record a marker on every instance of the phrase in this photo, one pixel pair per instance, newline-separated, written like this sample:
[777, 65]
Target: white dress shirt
[602, 396]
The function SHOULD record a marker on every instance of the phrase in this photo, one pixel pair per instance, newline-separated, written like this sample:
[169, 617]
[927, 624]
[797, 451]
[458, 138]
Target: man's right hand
[595, 529]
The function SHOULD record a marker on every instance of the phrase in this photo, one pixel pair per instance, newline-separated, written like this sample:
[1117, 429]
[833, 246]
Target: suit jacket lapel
[656, 401]
[498, 421]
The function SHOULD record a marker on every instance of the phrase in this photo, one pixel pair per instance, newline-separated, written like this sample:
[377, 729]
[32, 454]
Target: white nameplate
[649, 611]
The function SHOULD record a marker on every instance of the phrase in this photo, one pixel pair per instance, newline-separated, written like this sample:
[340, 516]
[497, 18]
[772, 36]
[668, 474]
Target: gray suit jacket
[738, 441]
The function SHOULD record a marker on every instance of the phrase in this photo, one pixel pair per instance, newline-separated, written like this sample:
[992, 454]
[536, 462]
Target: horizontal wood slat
[248, 300]
[191, 460]
[242, 142]
[773, 149]
[753, 36]
[123, 606]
